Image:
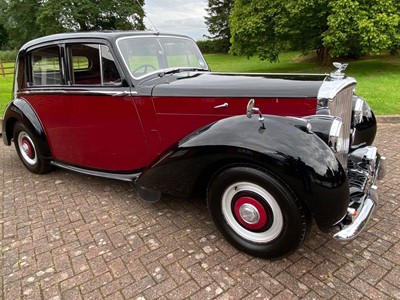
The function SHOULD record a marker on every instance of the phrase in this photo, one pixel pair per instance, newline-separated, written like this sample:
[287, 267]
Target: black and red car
[144, 107]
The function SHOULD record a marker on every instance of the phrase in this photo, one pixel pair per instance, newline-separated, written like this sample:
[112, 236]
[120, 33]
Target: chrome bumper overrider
[365, 167]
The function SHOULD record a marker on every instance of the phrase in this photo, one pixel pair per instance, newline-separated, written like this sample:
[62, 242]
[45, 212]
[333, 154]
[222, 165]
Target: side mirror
[251, 110]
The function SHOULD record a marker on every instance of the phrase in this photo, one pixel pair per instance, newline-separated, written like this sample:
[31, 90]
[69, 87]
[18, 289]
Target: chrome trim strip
[115, 93]
[101, 65]
[122, 177]
[330, 88]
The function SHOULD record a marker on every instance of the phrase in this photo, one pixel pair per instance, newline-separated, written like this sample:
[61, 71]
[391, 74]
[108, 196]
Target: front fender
[20, 110]
[299, 158]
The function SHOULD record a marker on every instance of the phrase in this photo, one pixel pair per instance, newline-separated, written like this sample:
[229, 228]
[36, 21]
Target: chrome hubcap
[249, 213]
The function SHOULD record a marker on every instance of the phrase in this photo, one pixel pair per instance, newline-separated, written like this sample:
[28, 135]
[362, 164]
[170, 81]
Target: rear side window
[46, 67]
[92, 64]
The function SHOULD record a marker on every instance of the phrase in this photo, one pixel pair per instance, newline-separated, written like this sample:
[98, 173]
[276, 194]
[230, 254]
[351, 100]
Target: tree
[331, 27]
[3, 36]
[86, 15]
[370, 27]
[3, 31]
[28, 19]
[21, 21]
[217, 22]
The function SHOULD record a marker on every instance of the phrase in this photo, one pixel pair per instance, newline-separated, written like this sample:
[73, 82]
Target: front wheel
[257, 212]
[28, 150]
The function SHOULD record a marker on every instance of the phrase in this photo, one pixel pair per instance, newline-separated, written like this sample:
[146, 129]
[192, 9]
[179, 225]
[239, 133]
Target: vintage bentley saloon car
[270, 151]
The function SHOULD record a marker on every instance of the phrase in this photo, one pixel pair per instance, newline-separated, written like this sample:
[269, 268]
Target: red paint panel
[179, 116]
[99, 132]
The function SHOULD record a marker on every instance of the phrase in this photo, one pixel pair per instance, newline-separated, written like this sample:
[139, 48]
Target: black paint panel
[207, 84]
[365, 131]
[20, 110]
[299, 158]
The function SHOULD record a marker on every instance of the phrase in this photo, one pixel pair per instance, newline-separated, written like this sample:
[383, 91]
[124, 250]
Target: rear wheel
[257, 212]
[28, 150]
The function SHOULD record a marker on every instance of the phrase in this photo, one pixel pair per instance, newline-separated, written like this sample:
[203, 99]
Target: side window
[46, 68]
[110, 72]
[92, 64]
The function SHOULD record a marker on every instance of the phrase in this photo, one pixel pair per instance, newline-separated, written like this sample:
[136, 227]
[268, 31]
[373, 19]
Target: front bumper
[365, 167]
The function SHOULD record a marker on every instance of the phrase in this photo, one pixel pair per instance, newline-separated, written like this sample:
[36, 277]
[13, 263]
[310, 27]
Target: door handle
[222, 105]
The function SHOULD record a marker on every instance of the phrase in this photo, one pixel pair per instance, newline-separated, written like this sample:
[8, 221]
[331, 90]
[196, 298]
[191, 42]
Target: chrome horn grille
[335, 97]
[341, 106]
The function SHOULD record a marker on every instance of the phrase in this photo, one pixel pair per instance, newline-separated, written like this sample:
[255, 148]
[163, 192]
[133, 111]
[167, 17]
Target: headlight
[332, 131]
[336, 135]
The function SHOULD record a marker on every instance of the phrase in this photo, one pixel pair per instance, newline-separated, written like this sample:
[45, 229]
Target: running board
[123, 177]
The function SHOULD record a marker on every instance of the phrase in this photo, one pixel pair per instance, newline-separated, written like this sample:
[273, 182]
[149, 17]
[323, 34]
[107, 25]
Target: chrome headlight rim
[358, 110]
[336, 138]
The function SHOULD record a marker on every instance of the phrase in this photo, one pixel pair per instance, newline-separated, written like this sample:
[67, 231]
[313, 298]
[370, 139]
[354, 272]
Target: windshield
[143, 55]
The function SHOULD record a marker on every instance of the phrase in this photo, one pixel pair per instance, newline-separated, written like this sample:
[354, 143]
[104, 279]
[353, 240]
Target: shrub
[8, 55]
[214, 46]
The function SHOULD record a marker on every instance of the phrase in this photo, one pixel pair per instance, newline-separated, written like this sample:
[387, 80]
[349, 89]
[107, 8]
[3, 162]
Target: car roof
[107, 35]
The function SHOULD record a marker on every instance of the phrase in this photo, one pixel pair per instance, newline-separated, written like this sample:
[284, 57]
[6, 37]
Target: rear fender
[20, 110]
[284, 147]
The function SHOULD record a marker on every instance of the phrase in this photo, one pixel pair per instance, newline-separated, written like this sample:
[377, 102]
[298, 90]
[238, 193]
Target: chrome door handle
[222, 105]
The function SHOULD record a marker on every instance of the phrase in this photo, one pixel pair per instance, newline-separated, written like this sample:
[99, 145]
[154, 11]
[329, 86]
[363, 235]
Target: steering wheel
[145, 67]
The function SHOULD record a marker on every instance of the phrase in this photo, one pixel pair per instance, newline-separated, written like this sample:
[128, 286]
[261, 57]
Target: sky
[177, 16]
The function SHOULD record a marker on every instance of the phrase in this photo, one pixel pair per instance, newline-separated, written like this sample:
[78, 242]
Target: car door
[102, 117]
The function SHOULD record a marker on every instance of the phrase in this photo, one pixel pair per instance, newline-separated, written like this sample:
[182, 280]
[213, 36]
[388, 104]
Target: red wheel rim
[250, 213]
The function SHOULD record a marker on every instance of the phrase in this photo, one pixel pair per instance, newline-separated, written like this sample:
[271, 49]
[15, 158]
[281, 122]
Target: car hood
[208, 84]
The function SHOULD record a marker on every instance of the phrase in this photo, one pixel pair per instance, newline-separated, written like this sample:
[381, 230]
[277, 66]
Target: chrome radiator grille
[341, 106]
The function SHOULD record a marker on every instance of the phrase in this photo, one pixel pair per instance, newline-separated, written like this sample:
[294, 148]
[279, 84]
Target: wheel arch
[20, 110]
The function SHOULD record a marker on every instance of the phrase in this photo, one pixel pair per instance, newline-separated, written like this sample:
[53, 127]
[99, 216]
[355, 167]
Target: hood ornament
[338, 73]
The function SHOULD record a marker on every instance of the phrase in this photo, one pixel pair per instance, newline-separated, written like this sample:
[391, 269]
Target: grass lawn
[378, 77]
[6, 84]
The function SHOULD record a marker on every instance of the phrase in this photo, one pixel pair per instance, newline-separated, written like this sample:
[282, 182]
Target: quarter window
[92, 64]
[46, 67]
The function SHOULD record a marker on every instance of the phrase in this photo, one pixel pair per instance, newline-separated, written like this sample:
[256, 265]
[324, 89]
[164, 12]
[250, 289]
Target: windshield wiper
[178, 70]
